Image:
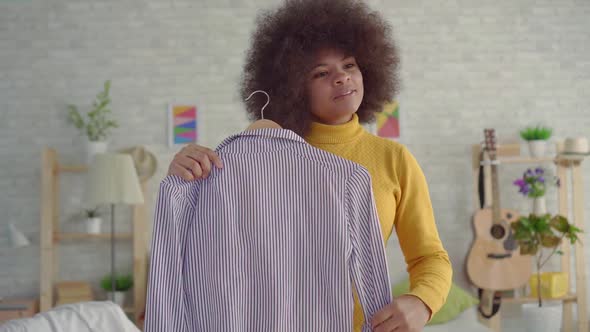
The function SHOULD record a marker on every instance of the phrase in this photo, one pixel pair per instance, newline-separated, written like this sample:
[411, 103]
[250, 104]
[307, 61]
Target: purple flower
[525, 189]
[519, 182]
[533, 182]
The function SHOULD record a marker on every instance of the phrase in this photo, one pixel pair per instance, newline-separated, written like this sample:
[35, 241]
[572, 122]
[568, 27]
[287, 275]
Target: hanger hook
[263, 107]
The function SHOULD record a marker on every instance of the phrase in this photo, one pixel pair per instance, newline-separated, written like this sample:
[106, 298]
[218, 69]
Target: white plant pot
[93, 148]
[539, 206]
[93, 225]
[537, 148]
[119, 298]
[533, 318]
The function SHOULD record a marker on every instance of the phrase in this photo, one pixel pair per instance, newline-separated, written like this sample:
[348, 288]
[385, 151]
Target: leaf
[75, 117]
[550, 241]
[528, 248]
[541, 224]
[572, 237]
[559, 252]
[560, 224]
[526, 223]
[523, 237]
[574, 229]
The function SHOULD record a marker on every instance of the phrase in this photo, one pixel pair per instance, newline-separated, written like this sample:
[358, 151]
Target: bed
[95, 316]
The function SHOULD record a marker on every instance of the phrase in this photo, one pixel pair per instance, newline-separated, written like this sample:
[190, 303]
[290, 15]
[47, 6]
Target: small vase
[93, 148]
[537, 148]
[539, 206]
[119, 297]
[93, 225]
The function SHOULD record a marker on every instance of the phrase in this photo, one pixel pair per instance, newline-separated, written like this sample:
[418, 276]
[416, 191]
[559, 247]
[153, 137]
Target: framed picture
[182, 123]
[387, 123]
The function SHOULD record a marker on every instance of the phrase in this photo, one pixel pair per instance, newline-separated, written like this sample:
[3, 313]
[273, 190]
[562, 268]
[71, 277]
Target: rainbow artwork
[388, 121]
[183, 124]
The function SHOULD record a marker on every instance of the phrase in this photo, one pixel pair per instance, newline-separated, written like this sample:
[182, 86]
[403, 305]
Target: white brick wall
[465, 65]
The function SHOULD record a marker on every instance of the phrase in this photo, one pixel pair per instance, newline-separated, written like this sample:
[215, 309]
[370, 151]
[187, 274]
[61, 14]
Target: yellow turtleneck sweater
[402, 200]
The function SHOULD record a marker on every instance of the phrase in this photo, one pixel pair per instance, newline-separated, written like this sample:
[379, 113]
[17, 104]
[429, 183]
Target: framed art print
[387, 123]
[182, 123]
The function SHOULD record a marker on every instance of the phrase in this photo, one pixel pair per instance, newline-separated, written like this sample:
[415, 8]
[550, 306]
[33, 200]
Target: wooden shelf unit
[51, 237]
[530, 299]
[510, 154]
[58, 237]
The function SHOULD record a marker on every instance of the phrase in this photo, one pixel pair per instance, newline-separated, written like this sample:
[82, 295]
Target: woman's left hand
[406, 313]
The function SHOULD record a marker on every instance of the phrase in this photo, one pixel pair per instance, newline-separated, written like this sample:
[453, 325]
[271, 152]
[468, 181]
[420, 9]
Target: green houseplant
[537, 137]
[123, 283]
[536, 133]
[537, 232]
[97, 124]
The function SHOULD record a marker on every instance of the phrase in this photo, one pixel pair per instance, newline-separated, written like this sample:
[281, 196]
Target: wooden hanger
[262, 123]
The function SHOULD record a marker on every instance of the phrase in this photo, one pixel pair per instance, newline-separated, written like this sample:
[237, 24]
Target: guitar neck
[495, 194]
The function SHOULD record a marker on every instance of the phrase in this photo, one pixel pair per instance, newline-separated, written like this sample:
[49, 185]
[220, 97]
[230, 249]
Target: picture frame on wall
[183, 123]
[387, 123]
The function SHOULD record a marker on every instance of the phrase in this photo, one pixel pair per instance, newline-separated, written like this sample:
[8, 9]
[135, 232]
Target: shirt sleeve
[367, 261]
[174, 213]
[428, 263]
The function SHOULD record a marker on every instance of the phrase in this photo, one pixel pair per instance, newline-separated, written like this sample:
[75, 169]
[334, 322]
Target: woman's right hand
[194, 162]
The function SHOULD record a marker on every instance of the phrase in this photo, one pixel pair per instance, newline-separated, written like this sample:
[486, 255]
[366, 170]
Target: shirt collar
[263, 133]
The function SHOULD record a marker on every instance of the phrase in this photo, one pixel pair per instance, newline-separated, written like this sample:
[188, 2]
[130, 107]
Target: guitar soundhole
[498, 232]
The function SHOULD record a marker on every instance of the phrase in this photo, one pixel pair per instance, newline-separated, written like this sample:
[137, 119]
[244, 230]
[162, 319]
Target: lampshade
[112, 179]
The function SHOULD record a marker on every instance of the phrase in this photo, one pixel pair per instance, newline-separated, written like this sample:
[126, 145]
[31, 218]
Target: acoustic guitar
[494, 261]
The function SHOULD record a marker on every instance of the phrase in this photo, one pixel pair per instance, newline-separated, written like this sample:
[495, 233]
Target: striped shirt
[273, 241]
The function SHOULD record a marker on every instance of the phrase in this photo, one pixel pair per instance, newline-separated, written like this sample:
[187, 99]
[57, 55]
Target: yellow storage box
[553, 284]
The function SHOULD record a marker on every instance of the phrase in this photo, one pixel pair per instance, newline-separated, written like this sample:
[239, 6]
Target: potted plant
[537, 139]
[93, 220]
[534, 233]
[533, 184]
[122, 284]
[97, 127]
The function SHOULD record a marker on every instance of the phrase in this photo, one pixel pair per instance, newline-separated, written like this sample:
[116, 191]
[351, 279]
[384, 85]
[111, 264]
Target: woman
[329, 66]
